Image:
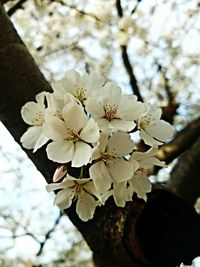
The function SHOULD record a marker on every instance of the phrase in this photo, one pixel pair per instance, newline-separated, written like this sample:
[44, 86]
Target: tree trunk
[162, 232]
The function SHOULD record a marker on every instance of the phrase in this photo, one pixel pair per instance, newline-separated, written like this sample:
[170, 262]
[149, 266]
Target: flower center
[80, 94]
[145, 121]
[78, 190]
[110, 111]
[72, 135]
[39, 119]
[107, 158]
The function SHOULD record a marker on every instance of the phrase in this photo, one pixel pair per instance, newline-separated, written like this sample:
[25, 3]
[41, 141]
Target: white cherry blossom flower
[140, 183]
[72, 137]
[147, 159]
[110, 166]
[82, 190]
[125, 23]
[153, 130]
[33, 113]
[79, 86]
[114, 111]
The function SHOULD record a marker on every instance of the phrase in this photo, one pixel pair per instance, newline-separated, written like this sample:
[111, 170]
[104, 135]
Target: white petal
[66, 183]
[59, 89]
[64, 198]
[85, 206]
[119, 194]
[155, 112]
[60, 151]
[54, 128]
[150, 162]
[111, 93]
[162, 130]
[142, 155]
[120, 144]
[103, 124]
[141, 184]
[131, 109]
[74, 116]
[29, 112]
[122, 125]
[100, 176]
[82, 154]
[42, 140]
[120, 170]
[95, 107]
[90, 132]
[148, 139]
[30, 137]
[90, 188]
[40, 98]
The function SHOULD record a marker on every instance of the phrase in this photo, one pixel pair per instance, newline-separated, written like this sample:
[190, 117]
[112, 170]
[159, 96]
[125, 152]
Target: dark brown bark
[118, 237]
[185, 177]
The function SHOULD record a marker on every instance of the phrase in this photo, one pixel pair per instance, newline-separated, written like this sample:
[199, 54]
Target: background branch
[126, 61]
[182, 141]
[17, 6]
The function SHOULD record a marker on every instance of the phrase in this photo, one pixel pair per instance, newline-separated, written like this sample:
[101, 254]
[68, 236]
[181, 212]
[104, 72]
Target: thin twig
[119, 8]
[126, 61]
[17, 6]
[47, 235]
[129, 69]
[136, 6]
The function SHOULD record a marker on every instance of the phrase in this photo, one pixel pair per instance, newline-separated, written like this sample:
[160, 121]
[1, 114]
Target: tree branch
[185, 179]
[126, 61]
[129, 69]
[136, 6]
[119, 8]
[17, 6]
[183, 141]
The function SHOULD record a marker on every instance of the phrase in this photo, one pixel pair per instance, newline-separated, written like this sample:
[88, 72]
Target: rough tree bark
[162, 232]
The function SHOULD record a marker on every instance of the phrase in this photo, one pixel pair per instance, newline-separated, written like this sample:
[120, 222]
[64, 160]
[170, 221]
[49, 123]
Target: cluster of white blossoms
[87, 123]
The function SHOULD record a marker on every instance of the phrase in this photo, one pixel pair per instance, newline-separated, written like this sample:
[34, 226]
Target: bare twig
[136, 6]
[126, 61]
[169, 111]
[119, 8]
[129, 69]
[17, 6]
[47, 235]
[81, 12]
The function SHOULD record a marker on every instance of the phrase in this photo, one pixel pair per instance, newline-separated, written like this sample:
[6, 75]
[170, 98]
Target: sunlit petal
[85, 206]
[60, 151]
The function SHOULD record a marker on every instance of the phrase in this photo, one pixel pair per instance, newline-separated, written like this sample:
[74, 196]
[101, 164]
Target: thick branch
[183, 141]
[185, 178]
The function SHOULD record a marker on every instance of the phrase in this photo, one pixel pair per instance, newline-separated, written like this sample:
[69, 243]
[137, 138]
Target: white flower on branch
[82, 190]
[153, 130]
[72, 137]
[110, 166]
[114, 111]
[33, 113]
[147, 159]
[79, 86]
[140, 183]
